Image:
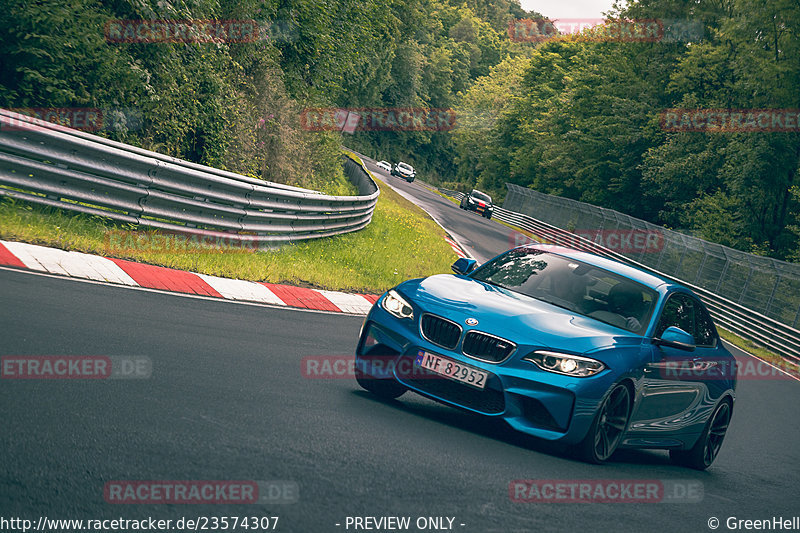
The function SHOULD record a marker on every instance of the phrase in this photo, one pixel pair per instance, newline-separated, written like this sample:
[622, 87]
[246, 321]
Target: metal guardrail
[745, 322]
[52, 165]
[763, 284]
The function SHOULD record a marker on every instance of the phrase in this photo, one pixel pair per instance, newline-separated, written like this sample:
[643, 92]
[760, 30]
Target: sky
[568, 8]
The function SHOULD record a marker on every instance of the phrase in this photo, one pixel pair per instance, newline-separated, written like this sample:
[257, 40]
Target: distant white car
[385, 165]
[405, 171]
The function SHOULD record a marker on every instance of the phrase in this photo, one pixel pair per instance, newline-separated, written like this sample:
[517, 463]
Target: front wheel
[487, 216]
[388, 389]
[707, 447]
[608, 427]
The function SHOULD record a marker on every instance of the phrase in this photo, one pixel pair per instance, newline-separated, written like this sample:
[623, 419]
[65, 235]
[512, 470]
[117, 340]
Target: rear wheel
[707, 447]
[608, 427]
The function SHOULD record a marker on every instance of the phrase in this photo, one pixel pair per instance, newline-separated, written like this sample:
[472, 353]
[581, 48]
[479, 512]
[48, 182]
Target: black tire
[411, 180]
[707, 447]
[388, 389]
[608, 427]
[487, 216]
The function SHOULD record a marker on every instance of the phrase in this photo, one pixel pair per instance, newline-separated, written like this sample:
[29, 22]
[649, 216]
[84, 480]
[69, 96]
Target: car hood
[514, 316]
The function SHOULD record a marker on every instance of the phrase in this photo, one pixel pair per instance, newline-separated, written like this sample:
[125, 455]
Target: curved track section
[228, 398]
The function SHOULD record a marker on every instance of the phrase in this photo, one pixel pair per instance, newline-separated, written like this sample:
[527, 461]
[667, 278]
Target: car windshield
[573, 285]
[404, 166]
[481, 196]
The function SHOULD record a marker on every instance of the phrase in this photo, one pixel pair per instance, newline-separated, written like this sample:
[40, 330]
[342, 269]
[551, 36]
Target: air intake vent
[487, 347]
[441, 331]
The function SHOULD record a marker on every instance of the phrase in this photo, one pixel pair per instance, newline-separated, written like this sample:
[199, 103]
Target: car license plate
[452, 369]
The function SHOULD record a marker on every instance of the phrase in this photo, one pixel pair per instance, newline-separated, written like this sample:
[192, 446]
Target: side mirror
[464, 266]
[674, 337]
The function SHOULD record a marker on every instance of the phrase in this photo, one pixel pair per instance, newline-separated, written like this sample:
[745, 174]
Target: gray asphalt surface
[482, 238]
[227, 401]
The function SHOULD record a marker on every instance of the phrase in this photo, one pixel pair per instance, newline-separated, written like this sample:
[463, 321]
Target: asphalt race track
[227, 400]
[483, 238]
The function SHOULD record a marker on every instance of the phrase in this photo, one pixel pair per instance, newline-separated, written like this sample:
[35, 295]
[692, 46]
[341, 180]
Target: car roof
[645, 278]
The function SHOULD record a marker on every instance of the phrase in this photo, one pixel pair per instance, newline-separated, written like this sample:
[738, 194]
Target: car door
[675, 396]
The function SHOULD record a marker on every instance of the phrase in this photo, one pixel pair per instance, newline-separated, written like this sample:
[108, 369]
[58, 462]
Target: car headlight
[563, 363]
[394, 304]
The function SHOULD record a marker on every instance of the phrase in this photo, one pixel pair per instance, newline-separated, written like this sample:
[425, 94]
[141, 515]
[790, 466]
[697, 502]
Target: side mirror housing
[675, 337]
[464, 266]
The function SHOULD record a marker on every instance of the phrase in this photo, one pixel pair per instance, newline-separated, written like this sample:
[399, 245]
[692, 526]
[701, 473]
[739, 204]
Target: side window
[706, 332]
[679, 311]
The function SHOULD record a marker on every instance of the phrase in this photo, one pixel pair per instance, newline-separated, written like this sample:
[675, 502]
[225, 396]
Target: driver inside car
[628, 302]
[570, 287]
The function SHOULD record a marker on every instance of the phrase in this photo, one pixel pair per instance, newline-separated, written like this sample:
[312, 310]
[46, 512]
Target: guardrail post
[680, 263]
[724, 271]
[772, 295]
[746, 284]
[702, 265]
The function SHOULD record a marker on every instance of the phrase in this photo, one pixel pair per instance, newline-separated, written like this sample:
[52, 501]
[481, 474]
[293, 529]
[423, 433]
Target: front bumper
[539, 403]
[480, 209]
[404, 175]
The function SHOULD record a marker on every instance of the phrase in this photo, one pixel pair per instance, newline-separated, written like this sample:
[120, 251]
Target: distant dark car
[405, 171]
[479, 202]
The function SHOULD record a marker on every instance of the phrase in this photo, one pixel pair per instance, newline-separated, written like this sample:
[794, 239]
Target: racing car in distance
[479, 202]
[405, 171]
[384, 165]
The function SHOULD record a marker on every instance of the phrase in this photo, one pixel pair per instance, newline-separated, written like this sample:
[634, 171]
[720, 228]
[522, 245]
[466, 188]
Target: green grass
[758, 351]
[401, 242]
[443, 195]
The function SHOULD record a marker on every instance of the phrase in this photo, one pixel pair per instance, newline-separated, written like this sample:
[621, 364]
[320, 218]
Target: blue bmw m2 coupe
[563, 345]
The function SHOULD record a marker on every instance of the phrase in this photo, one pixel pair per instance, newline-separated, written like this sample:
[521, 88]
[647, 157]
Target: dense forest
[575, 115]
